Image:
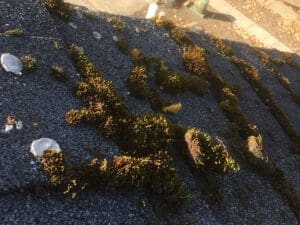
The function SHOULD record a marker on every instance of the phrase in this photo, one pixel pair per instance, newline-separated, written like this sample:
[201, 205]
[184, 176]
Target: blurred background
[261, 23]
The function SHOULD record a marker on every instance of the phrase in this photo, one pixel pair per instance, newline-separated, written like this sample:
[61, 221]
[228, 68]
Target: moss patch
[117, 23]
[270, 65]
[176, 83]
[213, 154]
[145, 139]
[59, 73]
[29, 63]
[58, 45]
[122, 45]
[124, 172]
[139, 79]
[58, 8]
[14, 32]
[254, 143]
[195, 61]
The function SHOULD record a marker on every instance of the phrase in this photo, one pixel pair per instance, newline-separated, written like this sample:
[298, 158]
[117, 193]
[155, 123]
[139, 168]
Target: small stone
[97, 35]
[73, 25]
[38, 146]
[11, 63]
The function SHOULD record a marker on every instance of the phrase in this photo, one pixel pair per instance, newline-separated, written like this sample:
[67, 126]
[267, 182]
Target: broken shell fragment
[38, 146]
[11, 63]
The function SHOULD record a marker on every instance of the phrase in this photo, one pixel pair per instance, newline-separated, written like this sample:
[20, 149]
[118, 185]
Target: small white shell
[38, 146]
[97, 35]
[11, 63]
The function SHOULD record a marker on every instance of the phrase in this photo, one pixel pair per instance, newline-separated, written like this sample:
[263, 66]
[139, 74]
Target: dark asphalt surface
[39, 98]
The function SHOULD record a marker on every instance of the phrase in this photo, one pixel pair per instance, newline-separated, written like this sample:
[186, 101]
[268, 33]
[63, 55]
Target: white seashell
[8, 128]
[19, 125]
[11, 63]
[153, 7]
[38, 146]
[97, 35]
